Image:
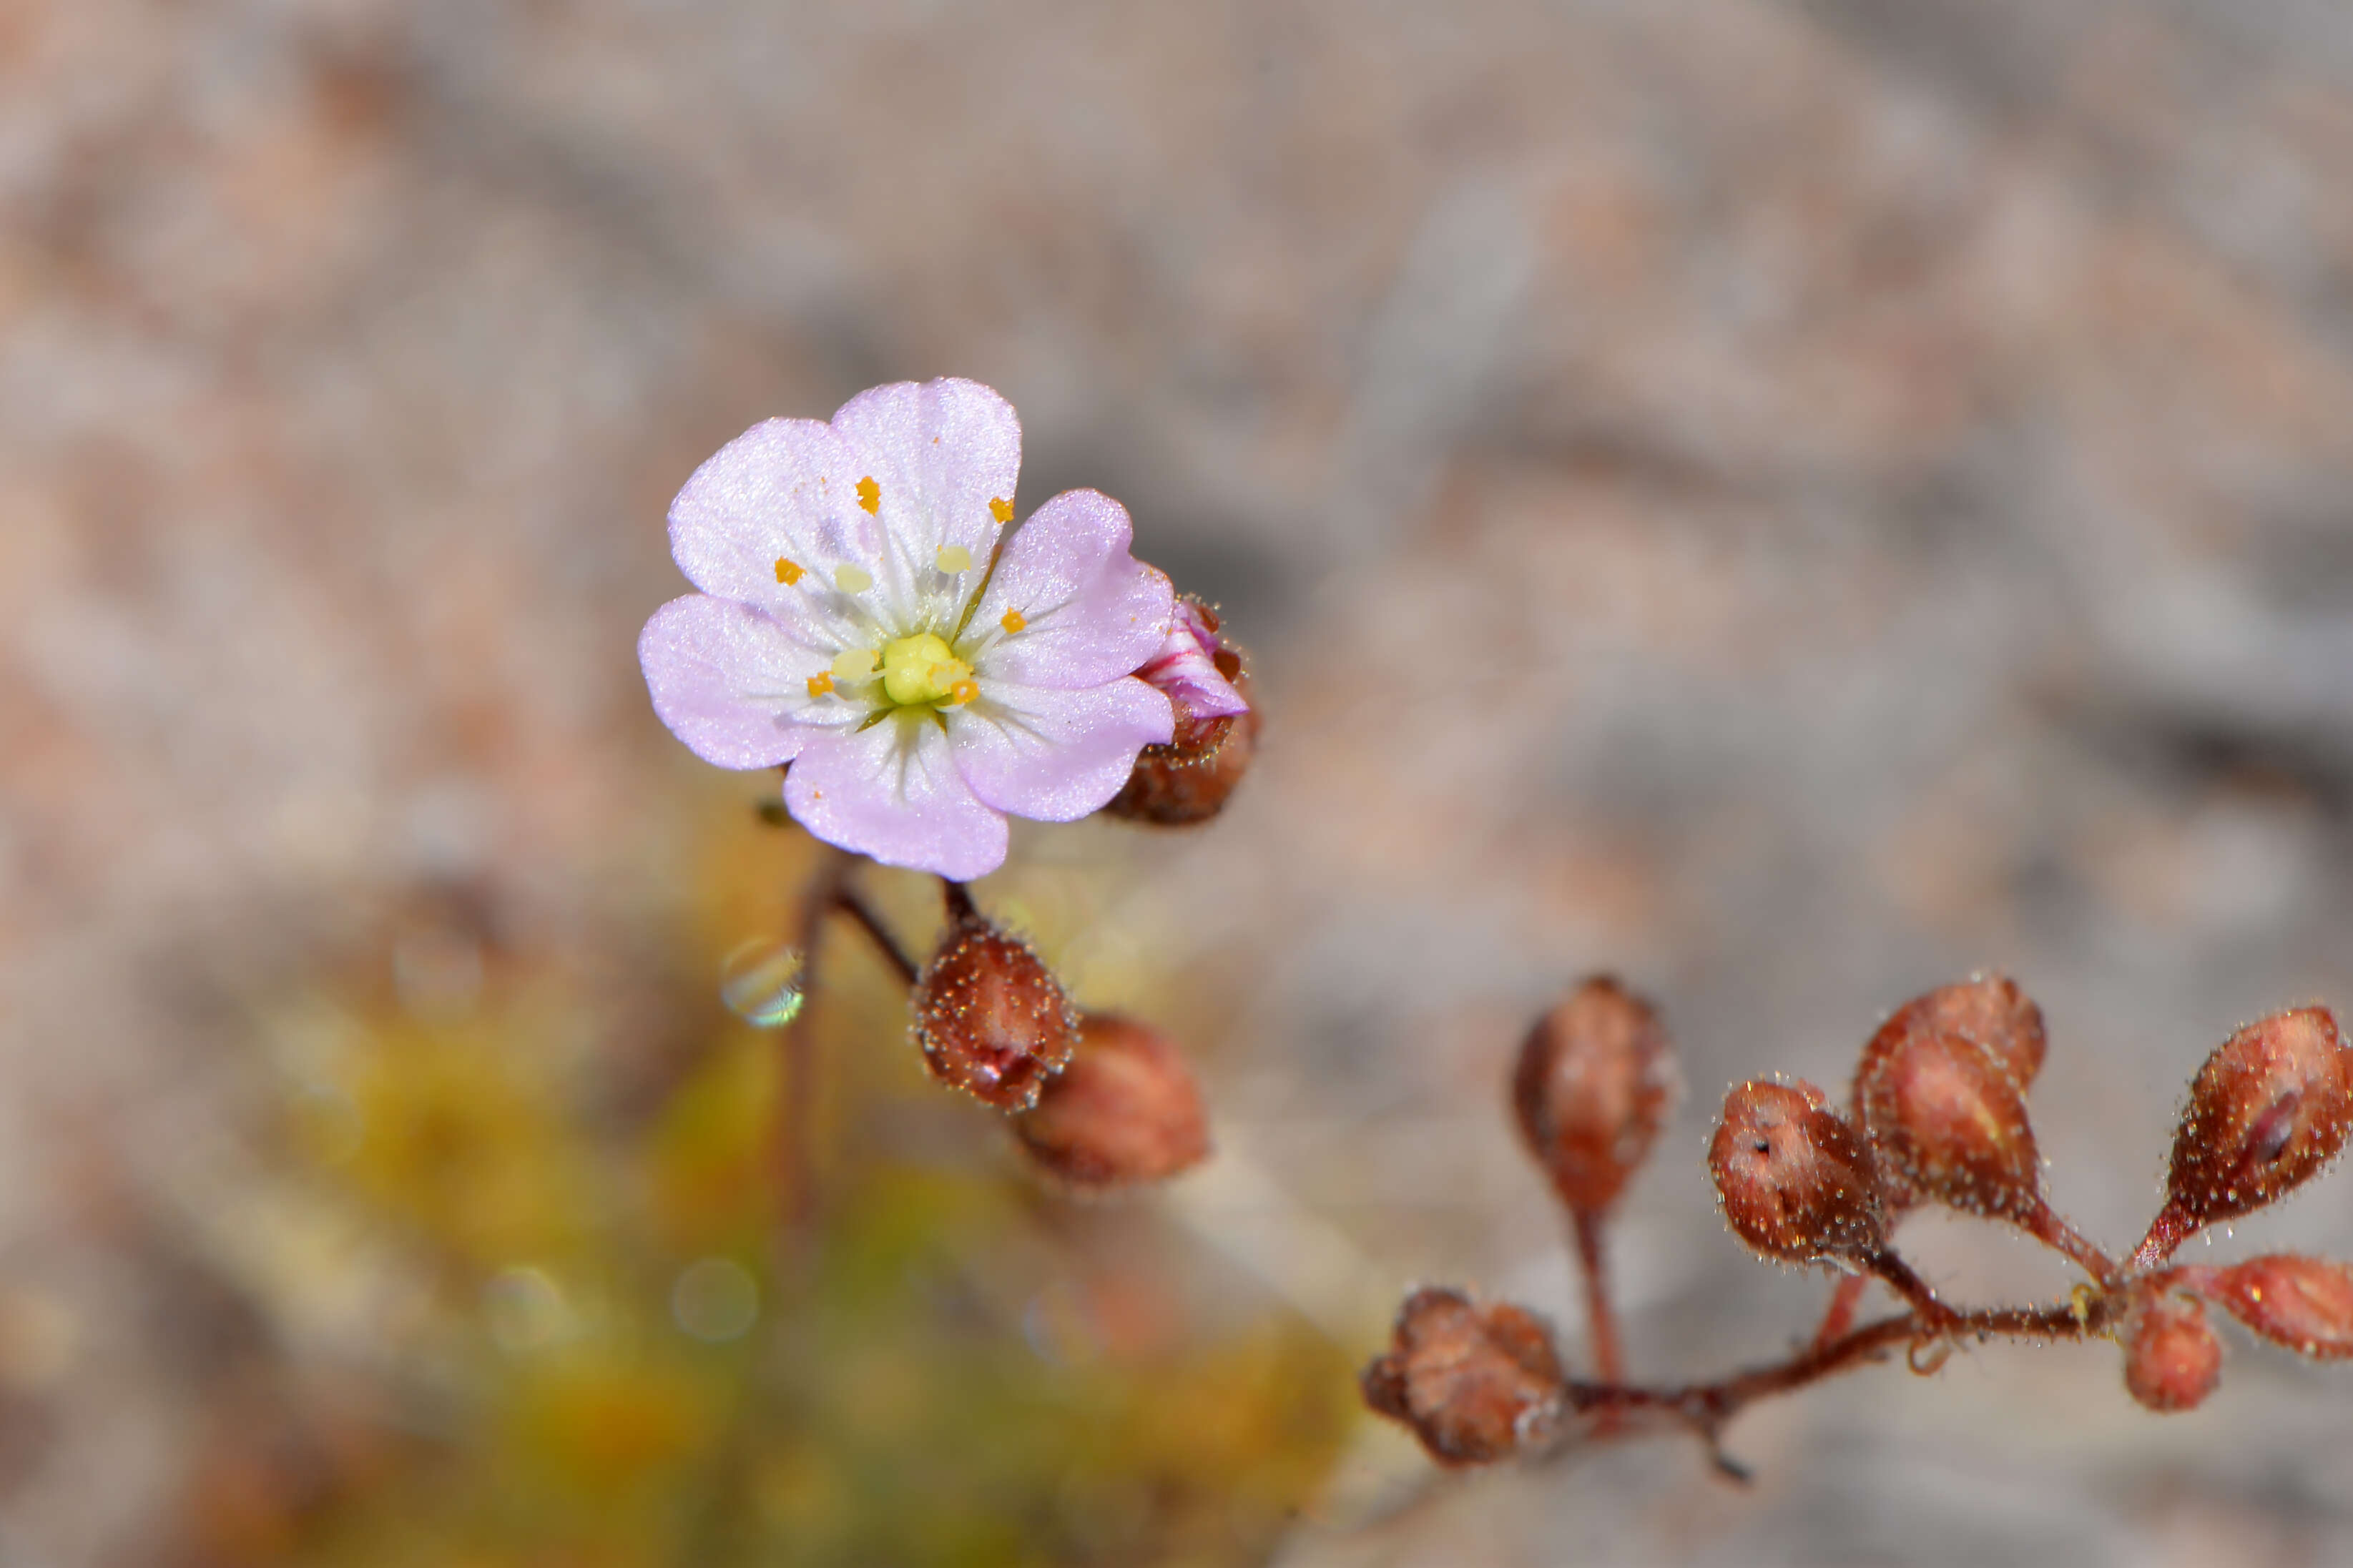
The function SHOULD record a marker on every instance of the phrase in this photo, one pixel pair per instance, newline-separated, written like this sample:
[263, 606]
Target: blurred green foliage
[572, 1331]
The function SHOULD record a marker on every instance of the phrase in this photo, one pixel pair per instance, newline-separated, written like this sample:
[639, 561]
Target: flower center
[923, 668]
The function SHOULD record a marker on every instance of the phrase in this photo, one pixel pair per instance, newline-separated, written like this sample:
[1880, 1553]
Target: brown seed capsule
[989, 1016]
[1595, 1081]
[2172, 1358]
[1946, 1115]
[2270, 1107]
[1795, 1177]
[1169, 790]
[1124, 1110]
[2304, 1303]
[1475, 1384]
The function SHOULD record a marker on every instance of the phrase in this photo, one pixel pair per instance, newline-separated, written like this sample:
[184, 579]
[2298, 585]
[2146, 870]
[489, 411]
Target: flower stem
[850, 902]
[795, 1165]
[1589, 1230]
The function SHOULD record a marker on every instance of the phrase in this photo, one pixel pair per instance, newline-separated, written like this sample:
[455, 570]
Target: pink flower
[861, 619]
[1194, 670]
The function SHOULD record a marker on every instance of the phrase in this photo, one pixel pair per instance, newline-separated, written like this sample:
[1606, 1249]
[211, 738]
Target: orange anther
[787, 572]
[870, 495]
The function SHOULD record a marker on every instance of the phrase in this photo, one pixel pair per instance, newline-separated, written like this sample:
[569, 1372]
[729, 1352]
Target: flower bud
[1945, 1110]
[1124, 1110]
[1795, 1178]
[1195, 671]
[1170, 791]
[990, 1017]
[2304, 1303]
[2172, 1359]
[1475, 1384]
[1595, 1081]
[2270, 1107]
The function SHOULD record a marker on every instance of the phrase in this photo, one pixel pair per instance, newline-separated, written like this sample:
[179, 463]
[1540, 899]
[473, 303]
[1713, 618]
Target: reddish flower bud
[2304, 1303]
[1475, 1384]
[1197, 670]
[1595, 1081]
[989, 1016]
[1944, 1112]
[1124, 1109]
[2270, 1107]
[1795, 1178]
[2172, 1359]
[1171, 791]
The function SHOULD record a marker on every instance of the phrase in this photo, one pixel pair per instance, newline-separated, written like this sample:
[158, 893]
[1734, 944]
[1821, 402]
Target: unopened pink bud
[1944, 1106]
[1795, 1177]
[990, 1017]
[1595, 1081]
[2304, 1303]
[2172, 1358]
[1124, 1110]
[2270, 1108]
[1170, 791]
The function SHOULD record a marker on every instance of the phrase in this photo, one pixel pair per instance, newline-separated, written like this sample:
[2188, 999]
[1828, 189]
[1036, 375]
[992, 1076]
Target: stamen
[962, 692]
[1000, 509]
[1013, 622]
[787, 572]
[821, 683]
[855, 664]
[852, 579]
[870, 495]
[953, 558]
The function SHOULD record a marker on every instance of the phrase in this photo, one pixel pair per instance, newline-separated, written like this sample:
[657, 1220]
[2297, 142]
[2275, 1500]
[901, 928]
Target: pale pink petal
[1186, 668]
[732, 681]
[782, 490]
[893, 792]
[1088, 611]
[939, 452]
[1055, 755]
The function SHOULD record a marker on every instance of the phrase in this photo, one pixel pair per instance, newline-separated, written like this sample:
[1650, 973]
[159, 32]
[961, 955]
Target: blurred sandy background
[1793, 501]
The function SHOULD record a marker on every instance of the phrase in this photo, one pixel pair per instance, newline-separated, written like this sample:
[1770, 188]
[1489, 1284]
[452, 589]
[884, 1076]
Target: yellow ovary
[923, 668]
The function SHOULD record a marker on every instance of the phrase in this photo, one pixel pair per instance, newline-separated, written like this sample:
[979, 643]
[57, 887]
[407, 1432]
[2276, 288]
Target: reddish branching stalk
[1938, 1116]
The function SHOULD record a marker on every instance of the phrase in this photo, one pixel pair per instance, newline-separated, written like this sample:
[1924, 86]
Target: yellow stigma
[821, 683]
[923, 668]
[870, 495]
[853, 664]
[1000, 509]
[787, 572]
[1013, 622]
[852, 579]
[953, 558]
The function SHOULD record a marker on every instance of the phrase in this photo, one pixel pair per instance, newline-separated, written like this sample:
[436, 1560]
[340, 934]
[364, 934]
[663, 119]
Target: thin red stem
[1590, 1231]
[850, 902]
[2046, 1225]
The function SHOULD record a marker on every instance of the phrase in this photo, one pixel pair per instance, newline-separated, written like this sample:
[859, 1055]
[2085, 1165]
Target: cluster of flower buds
[1096, 1100]
[1938, 1116]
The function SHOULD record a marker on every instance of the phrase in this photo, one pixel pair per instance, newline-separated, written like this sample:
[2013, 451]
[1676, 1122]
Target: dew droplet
[716, 1300]
[761, 983]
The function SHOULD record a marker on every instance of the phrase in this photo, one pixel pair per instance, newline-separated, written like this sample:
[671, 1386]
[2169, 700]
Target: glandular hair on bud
[2304, 1303]
[2270, 1108]
[1795, 1177]
[1174, 790]
[1944, 1111]
[1124, 1110]
[1476, 1384]
[2172, 1358]
[1594, 1083]
[990, 1017]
